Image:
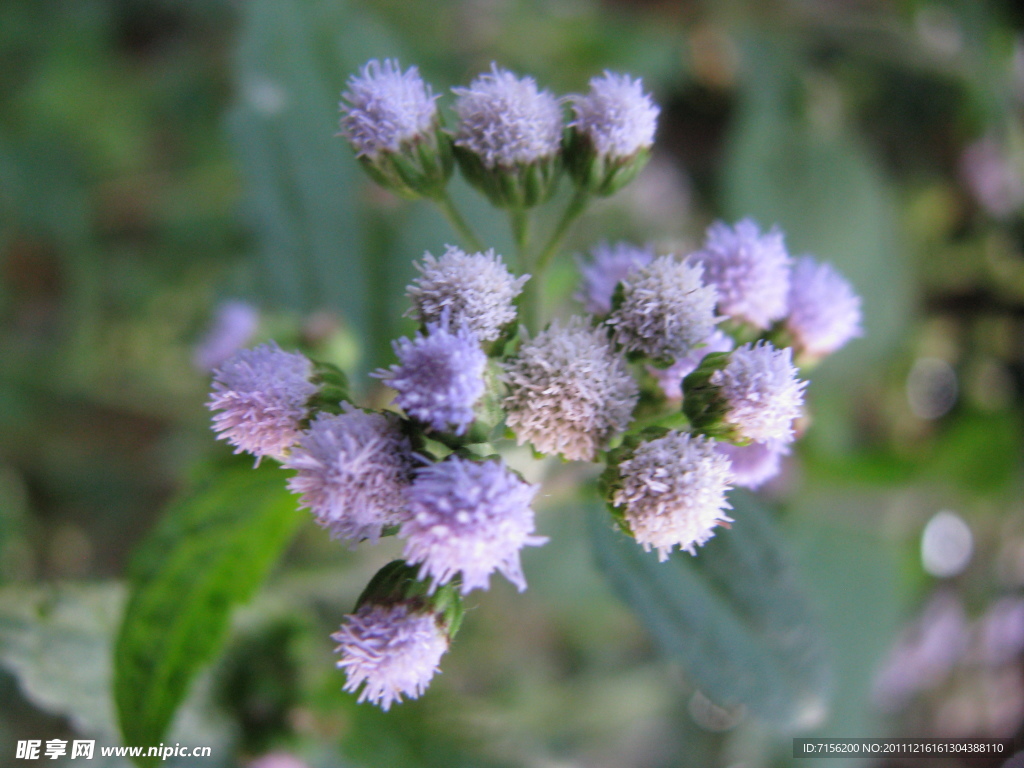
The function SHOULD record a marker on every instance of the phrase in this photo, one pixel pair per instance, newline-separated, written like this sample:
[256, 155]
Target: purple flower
[439, 377]
[234, 324]
[750, 271]
[262, 395]
[671, 378]
[666, 309]
[471, 518]
[607, 267]
[763, 392]
[386, 108]
[393, 650]
[569, 391]
[616, 115]
[993, 177]
[672, 492]
[506, 120]
[352, 470]
[755, 464]
[475, 289]
[824, 312]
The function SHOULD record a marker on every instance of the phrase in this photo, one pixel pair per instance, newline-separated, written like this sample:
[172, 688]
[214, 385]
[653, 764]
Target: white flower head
[672, 492]
[393, 651]
[386, 108]
[616, 115]
[762, 390]
[352, 470]
[607, 267]
[262, 395]
[666, 309]
[506, 120]
[749, 270]
[569, 391]
[824, 312]
[474, 289]
[471, 518]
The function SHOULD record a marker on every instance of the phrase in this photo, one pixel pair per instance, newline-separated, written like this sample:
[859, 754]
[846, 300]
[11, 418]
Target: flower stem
[534, 289]
[573, 211]
[451, 213]
[521, 234]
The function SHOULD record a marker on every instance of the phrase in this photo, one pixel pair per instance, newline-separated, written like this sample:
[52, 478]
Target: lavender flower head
[607, 267]
[750, 271]
[262, 394]
[671, 379]
[470, 518]
[755, 464]
[386, 108]
[824, 312]
[393, 650]
[476, 289]
[352, 470]
[616, 115]
[506, 120]
[234, 323]
[569, 392]
[762, 390]
[672, 492]
[439, 377]
[992, 176]
[666, 309]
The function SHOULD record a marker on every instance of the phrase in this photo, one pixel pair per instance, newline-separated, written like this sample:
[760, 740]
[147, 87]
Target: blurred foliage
[157, 157]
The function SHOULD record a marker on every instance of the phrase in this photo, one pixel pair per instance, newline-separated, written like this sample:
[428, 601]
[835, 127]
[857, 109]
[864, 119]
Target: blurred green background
[158, 159]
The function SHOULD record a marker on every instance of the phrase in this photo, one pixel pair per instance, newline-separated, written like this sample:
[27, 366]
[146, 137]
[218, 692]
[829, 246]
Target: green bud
[421, 167]
[597, 174]
[521, 186]
[397, 582]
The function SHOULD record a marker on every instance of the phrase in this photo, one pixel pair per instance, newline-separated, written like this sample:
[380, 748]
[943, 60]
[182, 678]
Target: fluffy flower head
[616, 115]
[750, 271]
[234, 323]
[824, 312]
[393, 650]
[386, 108]
[607, 267]
[439, 376]
[569, 392]
[469, 517]
[475, 289]
[764, 394]
[673, 492]
[666, 309]
[506, 120]
[671, 379]
[755, 464]
[352, 469]
[261, 394]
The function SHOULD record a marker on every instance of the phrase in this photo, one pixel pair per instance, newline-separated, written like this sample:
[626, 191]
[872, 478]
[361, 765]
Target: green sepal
[397, 583]
[704, 404]
[598, 174]
[521, 186]
[421, 167]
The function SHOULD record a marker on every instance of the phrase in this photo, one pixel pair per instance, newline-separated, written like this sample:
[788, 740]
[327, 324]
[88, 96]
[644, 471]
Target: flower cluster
[680, 380]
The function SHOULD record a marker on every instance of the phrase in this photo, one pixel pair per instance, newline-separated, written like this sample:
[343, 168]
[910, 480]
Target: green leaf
[733, 615]
[210, 553]
[56, 642]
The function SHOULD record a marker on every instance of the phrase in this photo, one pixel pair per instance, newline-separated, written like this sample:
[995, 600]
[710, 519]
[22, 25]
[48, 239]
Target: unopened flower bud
[612, 133]
[391, 645]
[508, 138]
[392, 122]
